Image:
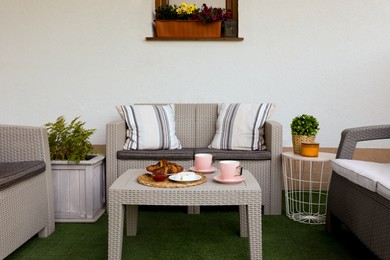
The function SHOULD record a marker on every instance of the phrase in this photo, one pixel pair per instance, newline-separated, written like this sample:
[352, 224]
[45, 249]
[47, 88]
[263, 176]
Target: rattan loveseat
[26, 190]
[195, 128]
[359, 192]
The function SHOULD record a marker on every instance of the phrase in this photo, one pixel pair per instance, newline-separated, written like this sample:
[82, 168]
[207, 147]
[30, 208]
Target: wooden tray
[147, 179]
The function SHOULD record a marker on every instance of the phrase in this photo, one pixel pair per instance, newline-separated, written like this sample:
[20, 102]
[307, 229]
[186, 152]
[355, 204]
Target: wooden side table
[306, 182]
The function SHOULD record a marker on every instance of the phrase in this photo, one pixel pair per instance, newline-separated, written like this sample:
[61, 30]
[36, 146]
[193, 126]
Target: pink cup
[230, 169]
[203, 161]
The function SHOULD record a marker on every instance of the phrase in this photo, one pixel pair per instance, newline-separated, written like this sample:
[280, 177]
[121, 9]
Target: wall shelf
[229, 39]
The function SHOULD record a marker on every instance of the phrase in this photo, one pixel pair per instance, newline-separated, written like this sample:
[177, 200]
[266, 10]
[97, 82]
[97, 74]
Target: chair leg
[193, 210]
[44, 232]
[333, 224]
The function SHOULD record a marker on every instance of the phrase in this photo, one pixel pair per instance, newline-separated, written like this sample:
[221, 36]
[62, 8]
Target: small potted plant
[304, 129]
[188, 21]
[78, 175]
[69, 142]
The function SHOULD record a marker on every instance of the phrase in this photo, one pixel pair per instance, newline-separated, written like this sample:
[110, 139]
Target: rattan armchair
[365, 212]
[27, 206]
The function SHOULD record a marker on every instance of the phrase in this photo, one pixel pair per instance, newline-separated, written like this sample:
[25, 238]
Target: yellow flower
[190, 8]
[185, 8]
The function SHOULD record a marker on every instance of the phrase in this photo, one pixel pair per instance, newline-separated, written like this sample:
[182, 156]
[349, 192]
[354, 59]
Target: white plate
[211, 170]
[236, 179]
[180, 178]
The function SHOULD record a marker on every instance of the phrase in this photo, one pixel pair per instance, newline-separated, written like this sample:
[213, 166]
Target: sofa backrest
[185, 124]
[206, 119]
[195, 124]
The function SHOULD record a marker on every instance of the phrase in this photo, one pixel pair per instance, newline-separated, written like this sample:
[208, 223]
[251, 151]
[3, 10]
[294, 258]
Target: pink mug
[230, 169]
[203, 161]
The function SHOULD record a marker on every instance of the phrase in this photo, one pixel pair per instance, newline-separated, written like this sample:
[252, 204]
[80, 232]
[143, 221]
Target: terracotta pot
[187, 29]
[299, 139]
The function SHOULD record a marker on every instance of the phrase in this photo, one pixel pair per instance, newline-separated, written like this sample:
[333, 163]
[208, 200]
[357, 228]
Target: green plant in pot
[69, 141]
[78, 175]
[304, 129]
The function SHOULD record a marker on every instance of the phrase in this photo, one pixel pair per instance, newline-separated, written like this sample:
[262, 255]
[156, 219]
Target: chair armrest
[273, 140]
[30, 143]
[23, 143]
[116, 135]
[273, 132]
[115, 140]
[351, 136]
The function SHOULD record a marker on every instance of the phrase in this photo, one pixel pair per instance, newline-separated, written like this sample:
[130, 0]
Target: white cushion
[370, 175]
[383, 186]
[240, 126]
[150, 127]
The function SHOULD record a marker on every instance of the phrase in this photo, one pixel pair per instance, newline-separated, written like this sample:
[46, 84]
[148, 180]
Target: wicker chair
[26, 205]
[364, 210]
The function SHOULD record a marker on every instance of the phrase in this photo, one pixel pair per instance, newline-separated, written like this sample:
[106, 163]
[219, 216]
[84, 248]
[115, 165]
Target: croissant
[152, 168]
[164, 167]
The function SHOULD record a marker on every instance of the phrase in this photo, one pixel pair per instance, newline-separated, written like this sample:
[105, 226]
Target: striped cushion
[240, 126]
[150, 127]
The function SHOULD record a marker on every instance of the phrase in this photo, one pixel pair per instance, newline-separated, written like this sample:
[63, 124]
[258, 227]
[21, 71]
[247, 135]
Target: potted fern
[78, 175]
[304, 129]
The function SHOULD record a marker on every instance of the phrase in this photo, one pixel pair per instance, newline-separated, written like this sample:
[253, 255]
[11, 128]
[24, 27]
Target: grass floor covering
[169, 233]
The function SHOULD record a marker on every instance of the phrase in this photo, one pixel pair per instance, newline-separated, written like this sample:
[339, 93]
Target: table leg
[115, 230]
[243, 220]
[131, 219]
[255, 235]
[193, 210]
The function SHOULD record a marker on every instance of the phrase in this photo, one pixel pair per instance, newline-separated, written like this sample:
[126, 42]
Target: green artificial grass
[170, 233]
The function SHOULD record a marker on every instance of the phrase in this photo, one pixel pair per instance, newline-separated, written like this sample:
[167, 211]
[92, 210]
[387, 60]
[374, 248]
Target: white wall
[82, 57]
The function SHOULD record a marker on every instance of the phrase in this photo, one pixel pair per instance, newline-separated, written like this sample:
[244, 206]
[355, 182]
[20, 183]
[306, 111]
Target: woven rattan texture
[147, 179]
[299, 139]
[356, 211]
[206, 119]
[350, 137]
[115, 140]
[273, 140]
[365, 212]
[126, 191]
[267, 172]
[26, 208]
[185, 125]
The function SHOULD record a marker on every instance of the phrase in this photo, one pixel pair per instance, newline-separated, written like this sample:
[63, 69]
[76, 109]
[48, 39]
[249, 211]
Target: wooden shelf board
[230, 39]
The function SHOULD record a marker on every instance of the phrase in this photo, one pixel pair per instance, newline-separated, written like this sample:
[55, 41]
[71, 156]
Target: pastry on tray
[164, 167]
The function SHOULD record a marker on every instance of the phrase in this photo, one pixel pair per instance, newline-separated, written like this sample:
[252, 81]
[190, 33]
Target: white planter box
[79, 190]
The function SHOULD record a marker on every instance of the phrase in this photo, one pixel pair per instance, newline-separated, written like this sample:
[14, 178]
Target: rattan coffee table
[125, 194]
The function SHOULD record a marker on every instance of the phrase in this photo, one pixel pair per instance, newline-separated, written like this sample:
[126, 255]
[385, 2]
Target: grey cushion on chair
[178, 154]
[13, 172]
[235, 154]
[370, 175]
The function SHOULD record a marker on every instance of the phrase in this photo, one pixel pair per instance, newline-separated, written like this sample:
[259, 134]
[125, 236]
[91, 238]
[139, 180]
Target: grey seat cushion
[370, 175]
[235, 154]
[178, 154]
[14, 172]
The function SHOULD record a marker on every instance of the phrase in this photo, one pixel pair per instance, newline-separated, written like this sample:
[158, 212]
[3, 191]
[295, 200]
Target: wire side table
[306, 182]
